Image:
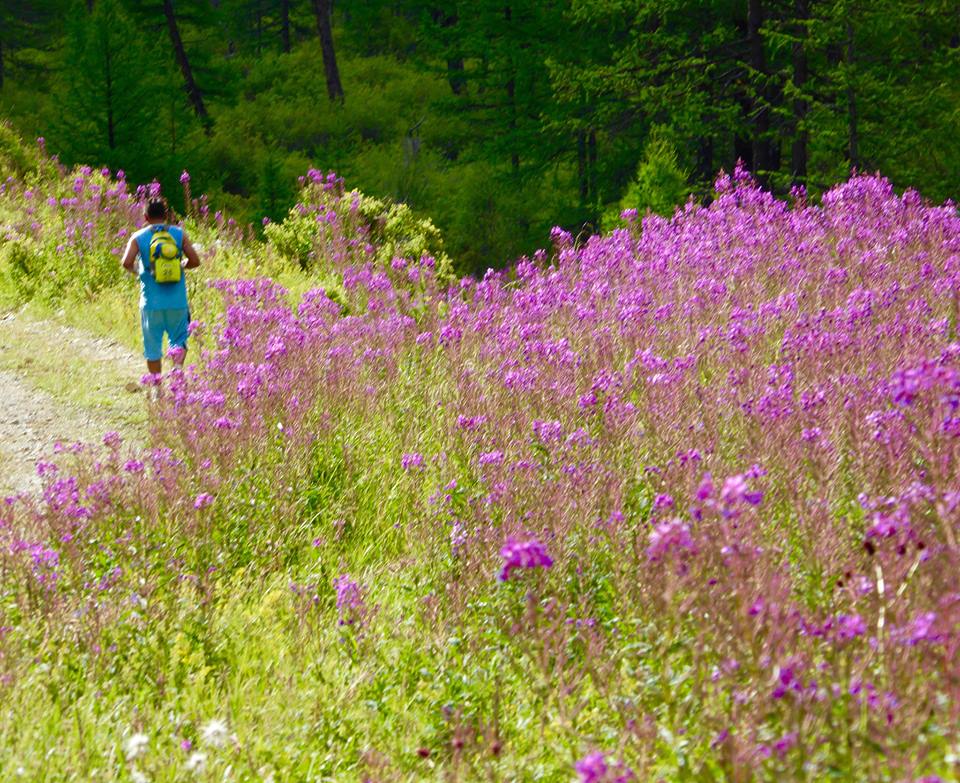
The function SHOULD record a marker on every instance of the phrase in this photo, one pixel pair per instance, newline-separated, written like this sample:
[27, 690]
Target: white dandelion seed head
[197, 762]
[136, 745]
[215, 733]
[137, 776]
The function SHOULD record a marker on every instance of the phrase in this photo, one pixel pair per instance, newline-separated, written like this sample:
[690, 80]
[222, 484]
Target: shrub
[16, 157]
[330, 228]
[24, 268]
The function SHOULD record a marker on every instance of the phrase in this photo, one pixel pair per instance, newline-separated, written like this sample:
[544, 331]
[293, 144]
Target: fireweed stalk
[734, 431]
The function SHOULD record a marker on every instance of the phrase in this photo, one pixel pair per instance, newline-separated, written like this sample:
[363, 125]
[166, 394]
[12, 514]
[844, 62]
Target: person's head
[156, 210]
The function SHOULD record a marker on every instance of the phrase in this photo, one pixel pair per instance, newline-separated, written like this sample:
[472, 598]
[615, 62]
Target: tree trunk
[592, 176]
[798, 151]
[322, 10]
[587, 173]
[582, 169]
[259, 26]
[705, 157]
[193, 91]
[512, 99]
[108, 74]
[285, 25]
[455, 75]
[759, 108]
[853, 139]
[743, 142]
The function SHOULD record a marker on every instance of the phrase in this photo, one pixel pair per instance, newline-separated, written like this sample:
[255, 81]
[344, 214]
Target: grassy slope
[221, 635]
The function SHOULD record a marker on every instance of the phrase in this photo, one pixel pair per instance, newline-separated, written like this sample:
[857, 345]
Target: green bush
[393, 229]
[24, 271]
[16, 157]
[396, 231]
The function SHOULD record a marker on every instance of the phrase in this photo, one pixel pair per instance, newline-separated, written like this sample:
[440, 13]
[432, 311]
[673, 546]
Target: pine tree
[106, 110]
[636, 64]
[275, 193]
[495, 54]
[171, 21]
[661, 183]
[880, 91]
[261, 26]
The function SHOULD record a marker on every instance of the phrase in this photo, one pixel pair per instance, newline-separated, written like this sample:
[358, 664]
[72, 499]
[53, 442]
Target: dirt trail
[60, 384]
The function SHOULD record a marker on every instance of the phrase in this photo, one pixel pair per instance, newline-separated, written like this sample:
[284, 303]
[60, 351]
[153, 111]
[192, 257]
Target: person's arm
[190, 253]
[130, 256]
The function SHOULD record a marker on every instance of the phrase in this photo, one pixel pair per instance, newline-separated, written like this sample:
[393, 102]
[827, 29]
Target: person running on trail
[161, 252]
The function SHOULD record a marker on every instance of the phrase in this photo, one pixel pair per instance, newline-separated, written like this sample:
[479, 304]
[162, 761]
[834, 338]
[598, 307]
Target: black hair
[156, 208]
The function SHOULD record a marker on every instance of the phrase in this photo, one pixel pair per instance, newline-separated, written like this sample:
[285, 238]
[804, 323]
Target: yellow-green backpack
[165, 255]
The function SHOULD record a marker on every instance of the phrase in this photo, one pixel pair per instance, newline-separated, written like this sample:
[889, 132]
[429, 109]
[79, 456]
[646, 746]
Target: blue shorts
[155, 323]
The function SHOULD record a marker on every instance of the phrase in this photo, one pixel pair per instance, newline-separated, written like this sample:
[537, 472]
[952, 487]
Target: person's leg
[178, 330]
[152, 327]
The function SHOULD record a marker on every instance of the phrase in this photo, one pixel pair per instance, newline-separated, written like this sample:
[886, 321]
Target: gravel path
[33, 420]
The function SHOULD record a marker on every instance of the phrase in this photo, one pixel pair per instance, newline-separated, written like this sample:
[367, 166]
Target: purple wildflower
[203, 500]
[672, 536]
[412, 461]
[548, 431]
[522, 554]
[592, 768]
[351, 606]
[849, 626]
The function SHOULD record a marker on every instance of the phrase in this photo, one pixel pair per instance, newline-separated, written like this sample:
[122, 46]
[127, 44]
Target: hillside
[678, 502]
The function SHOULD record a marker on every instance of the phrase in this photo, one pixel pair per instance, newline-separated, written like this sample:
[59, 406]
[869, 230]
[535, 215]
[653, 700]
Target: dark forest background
[496, 119]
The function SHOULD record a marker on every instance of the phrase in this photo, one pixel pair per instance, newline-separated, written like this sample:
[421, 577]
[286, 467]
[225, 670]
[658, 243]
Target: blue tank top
[154, 295]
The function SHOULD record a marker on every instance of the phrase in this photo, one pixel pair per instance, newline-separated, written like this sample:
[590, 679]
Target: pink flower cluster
[522, 554]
